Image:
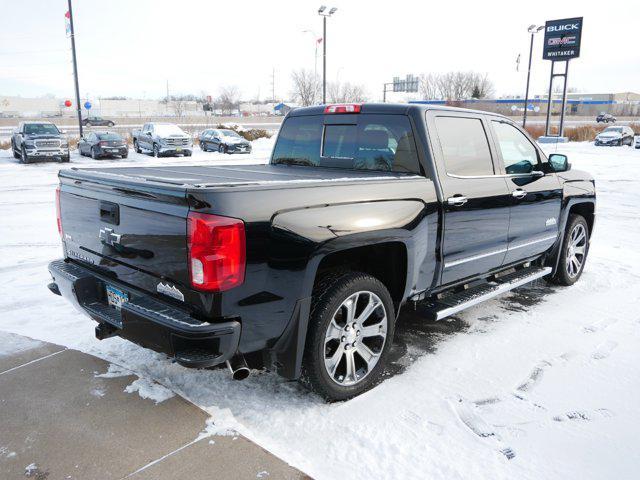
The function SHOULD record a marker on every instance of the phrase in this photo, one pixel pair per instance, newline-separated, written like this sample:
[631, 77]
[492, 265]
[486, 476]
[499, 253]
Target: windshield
[169, 130]
[110, 136]
[613, 129]
[229, 133]
[41, 129]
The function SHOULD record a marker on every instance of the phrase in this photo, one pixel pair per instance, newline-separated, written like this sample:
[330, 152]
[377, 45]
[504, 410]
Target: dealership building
[581, 104]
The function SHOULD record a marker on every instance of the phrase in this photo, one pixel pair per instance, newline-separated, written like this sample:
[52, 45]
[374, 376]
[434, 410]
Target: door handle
[457, 200]
[519, 193]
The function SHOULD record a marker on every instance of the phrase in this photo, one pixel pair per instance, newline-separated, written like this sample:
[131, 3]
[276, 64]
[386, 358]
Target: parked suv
[39, 141]
[97, 122]
[162, 139]
[224, 141]
[305, 263]
[605, 118]
[103, 144]
[615, 136]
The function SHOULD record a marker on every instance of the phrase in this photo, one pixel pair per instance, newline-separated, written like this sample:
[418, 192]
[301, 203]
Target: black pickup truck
[303, 265]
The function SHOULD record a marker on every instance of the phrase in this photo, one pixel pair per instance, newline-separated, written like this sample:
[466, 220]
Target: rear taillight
[58, 215]
[217, 251]
[346, 108]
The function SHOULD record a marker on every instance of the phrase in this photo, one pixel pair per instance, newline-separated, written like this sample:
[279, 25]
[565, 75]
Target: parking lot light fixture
[533, 29]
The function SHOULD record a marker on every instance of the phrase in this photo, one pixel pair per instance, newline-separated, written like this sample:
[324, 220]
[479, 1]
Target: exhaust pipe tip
[238, 367]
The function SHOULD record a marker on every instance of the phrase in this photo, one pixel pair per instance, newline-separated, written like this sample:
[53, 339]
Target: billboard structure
[408, 84]
[561, 44]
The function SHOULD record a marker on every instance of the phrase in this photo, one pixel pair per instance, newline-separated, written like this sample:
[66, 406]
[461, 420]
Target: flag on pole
[319, 41]
[67, 21]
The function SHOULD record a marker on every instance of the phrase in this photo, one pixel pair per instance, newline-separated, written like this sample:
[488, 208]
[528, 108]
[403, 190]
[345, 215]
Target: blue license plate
[116, 297]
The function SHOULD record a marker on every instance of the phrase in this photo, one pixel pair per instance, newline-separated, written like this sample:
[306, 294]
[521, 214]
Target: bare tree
[306, 87]
[453, 86]
[428, 87]
[346, 92]
[178, 106]
[228, 99]
[482, 86]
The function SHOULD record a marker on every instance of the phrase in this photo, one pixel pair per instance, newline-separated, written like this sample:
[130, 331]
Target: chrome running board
[446, 306]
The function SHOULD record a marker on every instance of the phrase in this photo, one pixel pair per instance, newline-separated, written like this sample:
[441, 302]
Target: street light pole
[321, 12]
[75, 67]
[324, 59]
[533, 29]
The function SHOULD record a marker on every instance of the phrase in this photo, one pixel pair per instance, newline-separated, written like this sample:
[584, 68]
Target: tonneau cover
[203, 176]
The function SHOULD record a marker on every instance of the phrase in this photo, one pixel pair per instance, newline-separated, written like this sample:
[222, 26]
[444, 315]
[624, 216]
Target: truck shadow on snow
[416, 337]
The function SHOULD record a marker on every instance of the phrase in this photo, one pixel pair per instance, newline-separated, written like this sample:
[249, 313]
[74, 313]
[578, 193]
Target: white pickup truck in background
[162, 139]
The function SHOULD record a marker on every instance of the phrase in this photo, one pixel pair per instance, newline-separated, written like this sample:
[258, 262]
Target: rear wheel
[574, 250]
[349, 337]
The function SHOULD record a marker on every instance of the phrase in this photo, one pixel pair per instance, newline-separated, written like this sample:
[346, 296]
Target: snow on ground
[541, 383]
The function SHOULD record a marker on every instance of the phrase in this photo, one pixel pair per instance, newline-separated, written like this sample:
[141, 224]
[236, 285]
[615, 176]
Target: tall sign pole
[561, 44]
[75, 67]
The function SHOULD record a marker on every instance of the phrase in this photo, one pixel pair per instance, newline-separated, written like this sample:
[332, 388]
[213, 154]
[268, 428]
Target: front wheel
[574, 250]
[93, 153]
[349, 336]
[222, 148]
[156, 150]
[136, 147]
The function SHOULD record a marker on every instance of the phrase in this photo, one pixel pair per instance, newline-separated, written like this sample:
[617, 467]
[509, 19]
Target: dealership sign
[562, 39]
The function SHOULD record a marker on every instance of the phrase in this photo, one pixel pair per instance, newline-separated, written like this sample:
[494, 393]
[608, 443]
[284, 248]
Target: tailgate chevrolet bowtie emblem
[108, 237]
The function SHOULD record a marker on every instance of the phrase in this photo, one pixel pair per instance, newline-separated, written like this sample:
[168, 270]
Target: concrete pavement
[58, 420]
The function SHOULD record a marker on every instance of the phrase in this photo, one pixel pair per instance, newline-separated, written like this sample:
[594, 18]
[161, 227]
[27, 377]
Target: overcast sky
[133, 47]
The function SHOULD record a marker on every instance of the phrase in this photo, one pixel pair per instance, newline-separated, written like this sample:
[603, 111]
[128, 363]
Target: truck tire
[136, 147]
[222, 148]
[349, 336]
[24, 158]
[16, 154]
[573, 253]
[156, 150]
[93, 154]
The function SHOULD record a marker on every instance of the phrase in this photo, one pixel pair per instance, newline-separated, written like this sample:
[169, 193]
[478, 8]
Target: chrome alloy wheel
[355, 338]
[576, 250]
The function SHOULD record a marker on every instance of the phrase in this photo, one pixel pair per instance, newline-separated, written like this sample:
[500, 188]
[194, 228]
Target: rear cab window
[374, 142]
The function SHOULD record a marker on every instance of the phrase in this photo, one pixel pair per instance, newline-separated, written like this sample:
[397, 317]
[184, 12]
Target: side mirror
[559, 162]
[149, 133]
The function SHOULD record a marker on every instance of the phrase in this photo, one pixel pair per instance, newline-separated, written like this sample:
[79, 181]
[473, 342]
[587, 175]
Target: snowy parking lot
[542, 383]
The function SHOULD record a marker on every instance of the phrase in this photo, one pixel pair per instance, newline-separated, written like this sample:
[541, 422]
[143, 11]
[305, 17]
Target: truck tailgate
[134, 232]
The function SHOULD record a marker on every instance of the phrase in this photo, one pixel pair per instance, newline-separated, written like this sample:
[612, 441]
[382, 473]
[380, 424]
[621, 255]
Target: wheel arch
[582, 206]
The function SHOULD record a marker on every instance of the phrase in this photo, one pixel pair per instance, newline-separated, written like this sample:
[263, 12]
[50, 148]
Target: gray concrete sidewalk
[59, 421]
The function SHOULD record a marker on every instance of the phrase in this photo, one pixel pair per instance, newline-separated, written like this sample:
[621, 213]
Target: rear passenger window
[464, 146]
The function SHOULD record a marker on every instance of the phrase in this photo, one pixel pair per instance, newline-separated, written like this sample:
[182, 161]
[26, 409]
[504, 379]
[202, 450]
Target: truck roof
[389, 108]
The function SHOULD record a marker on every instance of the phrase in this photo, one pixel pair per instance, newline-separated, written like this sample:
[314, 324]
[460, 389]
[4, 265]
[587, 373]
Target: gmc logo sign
[562, 39]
